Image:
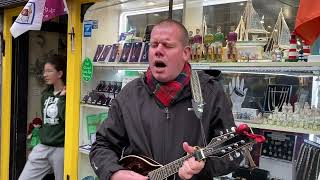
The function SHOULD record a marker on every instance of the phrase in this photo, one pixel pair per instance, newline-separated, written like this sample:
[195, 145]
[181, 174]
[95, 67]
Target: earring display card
[276, 96]
[144, 56]
[135, 52]
[125, 52]
[114, 53]
[98, 52]
[279, 145]
[105, 53]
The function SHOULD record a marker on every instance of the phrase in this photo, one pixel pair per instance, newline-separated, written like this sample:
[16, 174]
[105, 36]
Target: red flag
[54, 8]
[308, 20]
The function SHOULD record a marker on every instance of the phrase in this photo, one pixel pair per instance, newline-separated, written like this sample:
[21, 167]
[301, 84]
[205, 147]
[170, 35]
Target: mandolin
[230, 144]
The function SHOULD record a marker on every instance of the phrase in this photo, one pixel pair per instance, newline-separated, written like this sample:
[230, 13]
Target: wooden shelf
[280, 128]
[94, 106]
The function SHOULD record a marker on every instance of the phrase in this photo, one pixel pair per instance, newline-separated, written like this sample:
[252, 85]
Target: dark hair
[184, 32]
[59, 63]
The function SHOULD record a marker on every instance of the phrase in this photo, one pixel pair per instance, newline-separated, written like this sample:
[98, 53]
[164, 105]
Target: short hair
[184, 31]
[60, 64]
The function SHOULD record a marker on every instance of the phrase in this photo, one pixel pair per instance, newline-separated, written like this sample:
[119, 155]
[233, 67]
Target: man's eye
[154, 45]
[168, 45]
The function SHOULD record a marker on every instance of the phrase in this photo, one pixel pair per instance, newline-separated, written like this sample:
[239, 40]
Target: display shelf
[84, 151]
[95, 106]
[279, 128]
[305, 67]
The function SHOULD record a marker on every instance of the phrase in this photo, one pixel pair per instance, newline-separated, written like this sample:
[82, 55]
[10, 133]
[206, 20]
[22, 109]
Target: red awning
[308, 20]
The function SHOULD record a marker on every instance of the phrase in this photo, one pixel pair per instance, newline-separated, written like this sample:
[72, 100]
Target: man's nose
[159, 50]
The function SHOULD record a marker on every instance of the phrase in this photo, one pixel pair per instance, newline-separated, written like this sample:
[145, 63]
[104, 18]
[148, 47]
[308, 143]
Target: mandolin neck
[168, 169]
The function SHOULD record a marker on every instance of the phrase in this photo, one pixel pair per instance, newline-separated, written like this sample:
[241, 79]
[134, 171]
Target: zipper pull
[167, 112]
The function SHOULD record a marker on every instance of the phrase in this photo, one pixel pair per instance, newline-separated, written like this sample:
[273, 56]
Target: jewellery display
[277, 146]
[307, 165]
[103, 94]
[276, 96]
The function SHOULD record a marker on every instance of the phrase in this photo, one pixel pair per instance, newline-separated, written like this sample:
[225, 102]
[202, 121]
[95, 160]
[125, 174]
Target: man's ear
[186, 53]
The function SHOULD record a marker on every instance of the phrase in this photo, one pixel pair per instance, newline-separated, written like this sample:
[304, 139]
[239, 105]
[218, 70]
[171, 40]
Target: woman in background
[48, 156]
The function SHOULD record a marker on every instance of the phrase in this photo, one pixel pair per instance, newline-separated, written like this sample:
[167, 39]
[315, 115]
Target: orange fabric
[308, 20]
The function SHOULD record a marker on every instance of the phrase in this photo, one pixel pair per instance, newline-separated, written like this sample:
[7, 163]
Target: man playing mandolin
[151, 117]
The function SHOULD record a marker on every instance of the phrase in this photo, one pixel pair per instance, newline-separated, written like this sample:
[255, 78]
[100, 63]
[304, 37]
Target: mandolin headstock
[231, 143]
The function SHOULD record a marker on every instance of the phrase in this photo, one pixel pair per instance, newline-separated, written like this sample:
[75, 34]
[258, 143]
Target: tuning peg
[232, 135]
[237, 154]
[233, 129]
[250, 148]
[218, 139]
[223, 151]
[242, 142]
[227, 130]
[236, 144]
[230, 157]
[229, 148]
[221, 132]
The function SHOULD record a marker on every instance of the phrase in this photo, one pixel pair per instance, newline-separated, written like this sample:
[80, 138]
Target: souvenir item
[293, 49]
[218, 40]
[190, 33]
[197, 46]
[125, 52]
[144, 56]
[232, 39]
[209, 51]
[135, 52]
[114, 53]
[105, 53]
[280, 35]
[98, 52]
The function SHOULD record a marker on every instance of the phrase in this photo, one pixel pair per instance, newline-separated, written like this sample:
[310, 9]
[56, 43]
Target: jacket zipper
[166, 110]
[167, 113]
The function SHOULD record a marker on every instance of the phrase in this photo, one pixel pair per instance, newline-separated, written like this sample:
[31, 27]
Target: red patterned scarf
[166, 93]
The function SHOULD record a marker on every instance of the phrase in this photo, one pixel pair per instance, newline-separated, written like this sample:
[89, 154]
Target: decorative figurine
[197, 46]
[293, 49]
[219, 39]
[276, 53]
[209, 50]
[193, 51]
[190, 33]
[231, 41]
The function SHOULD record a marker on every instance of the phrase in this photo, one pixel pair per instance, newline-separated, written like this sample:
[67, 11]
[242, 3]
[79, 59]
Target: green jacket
[53, 114]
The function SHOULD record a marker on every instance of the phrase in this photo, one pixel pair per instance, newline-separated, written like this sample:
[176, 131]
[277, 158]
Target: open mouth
[160, 64]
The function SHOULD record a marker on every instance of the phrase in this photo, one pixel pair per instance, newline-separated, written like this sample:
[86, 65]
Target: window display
[247, 40]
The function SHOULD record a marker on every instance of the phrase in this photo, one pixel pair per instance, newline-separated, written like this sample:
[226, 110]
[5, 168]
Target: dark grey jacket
[136, 122]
